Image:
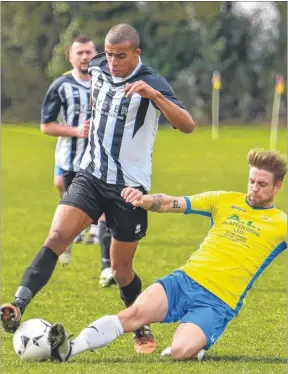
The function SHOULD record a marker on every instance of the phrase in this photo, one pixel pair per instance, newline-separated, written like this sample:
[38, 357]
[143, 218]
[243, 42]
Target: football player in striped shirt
[127, 99]
[66, 113]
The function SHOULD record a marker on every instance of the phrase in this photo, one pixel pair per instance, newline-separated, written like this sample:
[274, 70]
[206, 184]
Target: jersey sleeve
[52, 104]
[204, 204]
[161, 85]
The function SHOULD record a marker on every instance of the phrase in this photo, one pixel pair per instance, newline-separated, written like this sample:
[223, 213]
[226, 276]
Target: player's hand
[137, 198]
[141, 88]
[131, 195]
[83, 130]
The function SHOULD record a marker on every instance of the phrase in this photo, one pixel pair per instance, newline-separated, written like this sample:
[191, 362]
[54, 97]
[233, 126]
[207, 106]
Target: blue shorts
[58, 172]
[189, 302]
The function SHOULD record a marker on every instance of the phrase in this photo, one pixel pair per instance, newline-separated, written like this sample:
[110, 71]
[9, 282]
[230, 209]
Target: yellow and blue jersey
[241, 243]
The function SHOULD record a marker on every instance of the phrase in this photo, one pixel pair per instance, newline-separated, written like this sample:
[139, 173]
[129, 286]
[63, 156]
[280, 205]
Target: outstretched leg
[151, 306]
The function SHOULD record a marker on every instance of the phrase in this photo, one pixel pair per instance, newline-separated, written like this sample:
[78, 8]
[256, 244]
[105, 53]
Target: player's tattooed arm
[175, 204]
[160, 203]
[164, 203]
[157, 201]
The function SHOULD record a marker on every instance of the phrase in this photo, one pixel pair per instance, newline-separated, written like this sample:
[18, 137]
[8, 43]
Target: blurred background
[184, 41]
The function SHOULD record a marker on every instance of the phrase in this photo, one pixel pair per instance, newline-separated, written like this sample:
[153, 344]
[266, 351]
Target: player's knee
[180, 352]
[177, 352]
[57, 240]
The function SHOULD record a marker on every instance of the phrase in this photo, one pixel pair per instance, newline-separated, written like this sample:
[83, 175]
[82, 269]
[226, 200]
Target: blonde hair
[271, 161]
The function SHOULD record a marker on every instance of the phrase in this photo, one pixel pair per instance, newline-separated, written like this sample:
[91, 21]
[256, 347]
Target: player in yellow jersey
[247, 233]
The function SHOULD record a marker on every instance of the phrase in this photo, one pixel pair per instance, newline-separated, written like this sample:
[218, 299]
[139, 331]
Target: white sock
[93, 230]
[167, 352]
[98, 334]
[200, 354]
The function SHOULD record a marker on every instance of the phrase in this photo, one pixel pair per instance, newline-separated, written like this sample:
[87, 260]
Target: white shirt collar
[119, 79]
[81, 81]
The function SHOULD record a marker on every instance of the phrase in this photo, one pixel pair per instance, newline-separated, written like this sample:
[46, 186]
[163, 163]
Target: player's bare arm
[178, 117]
[160, 203]
[54, 129]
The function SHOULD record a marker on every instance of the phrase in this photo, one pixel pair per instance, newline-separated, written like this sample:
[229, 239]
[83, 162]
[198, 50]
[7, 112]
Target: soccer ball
[30, 340]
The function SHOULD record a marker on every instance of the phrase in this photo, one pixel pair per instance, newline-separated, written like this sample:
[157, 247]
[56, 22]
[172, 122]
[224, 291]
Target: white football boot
[106, 278]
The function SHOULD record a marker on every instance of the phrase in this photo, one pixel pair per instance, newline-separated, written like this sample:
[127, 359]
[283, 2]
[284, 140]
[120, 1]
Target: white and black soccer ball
[30, 340]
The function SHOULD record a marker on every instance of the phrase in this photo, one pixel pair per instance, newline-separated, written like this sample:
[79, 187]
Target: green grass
[255, 342]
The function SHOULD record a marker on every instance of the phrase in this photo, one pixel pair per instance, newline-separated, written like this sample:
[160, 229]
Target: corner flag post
[216, 84]
[279, 89]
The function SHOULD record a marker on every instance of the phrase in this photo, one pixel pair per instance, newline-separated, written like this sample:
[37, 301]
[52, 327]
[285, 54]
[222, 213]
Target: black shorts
[94, 197]
[68, 176]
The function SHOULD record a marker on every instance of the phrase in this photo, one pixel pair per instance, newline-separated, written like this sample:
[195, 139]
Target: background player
[66, 113]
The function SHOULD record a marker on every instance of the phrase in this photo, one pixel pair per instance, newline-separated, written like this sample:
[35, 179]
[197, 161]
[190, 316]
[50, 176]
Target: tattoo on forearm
[175, 204]
[157, 202]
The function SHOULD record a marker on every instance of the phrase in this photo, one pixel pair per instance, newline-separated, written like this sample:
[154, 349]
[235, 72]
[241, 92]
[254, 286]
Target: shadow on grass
[267, 360]
[158, 360]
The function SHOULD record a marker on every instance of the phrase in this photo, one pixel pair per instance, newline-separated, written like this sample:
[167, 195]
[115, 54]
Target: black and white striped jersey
[122, 129]
[68, 102]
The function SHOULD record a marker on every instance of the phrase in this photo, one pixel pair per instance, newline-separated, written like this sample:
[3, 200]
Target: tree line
[183, 41]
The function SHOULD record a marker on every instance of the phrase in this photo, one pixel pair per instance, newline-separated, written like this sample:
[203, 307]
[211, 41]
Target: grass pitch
[255, 342]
